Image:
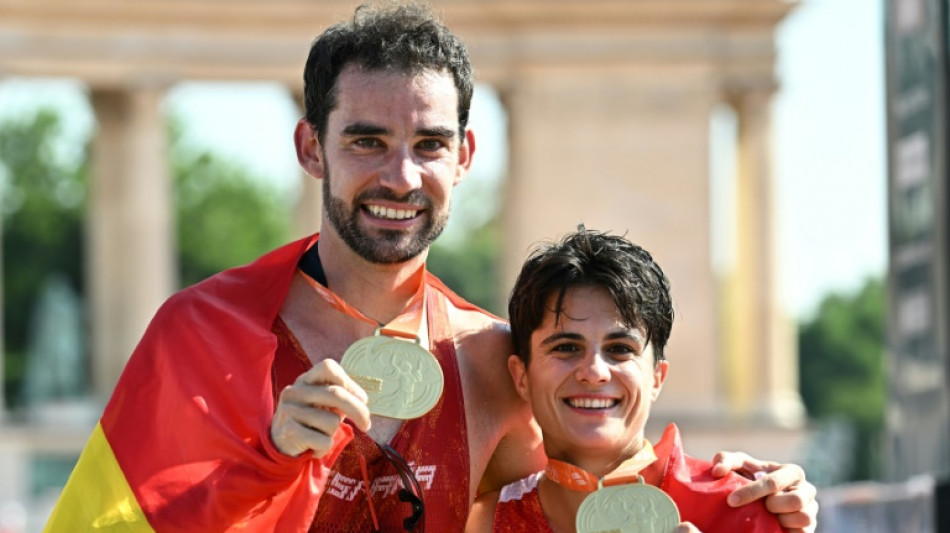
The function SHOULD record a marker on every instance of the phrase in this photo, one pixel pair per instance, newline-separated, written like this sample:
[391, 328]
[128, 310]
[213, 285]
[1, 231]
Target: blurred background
[784, 161]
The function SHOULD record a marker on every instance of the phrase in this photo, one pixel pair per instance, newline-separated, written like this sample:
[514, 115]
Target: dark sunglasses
[410, 492]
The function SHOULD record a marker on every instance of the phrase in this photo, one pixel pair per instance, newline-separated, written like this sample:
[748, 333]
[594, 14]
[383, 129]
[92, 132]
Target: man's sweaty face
[392, 155]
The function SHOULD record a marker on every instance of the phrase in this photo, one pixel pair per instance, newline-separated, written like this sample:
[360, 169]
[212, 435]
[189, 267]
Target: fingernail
[732, 500]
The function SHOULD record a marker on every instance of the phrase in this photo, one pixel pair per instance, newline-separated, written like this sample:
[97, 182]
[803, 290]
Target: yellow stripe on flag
[97, 497]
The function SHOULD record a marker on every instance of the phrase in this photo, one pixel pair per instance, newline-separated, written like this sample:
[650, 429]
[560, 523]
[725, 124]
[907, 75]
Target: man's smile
[390, 213]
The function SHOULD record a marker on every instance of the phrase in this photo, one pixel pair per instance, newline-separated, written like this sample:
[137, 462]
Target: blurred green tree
[842, 374]
[470, 267]
[224, 216]
[43, 203]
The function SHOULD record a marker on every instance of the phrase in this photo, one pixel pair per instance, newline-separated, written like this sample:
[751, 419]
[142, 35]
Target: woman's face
[591, 379]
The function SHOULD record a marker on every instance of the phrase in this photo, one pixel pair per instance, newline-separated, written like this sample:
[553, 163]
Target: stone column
[624, 152]
[760, 342]
[130, 230]
[308, 208]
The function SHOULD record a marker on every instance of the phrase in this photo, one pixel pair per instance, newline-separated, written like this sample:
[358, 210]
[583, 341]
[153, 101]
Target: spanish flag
[184, 442]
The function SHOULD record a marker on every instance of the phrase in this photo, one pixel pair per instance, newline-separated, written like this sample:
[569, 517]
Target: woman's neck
[560, 499]
[559, 504]
[599, 463]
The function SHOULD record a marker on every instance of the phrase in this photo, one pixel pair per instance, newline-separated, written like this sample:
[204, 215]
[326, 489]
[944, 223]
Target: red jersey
[519, 508]
[701, 498]
[184, 443]
[435, 446]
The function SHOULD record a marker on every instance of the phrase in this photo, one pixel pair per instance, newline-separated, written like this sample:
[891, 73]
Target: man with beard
[235, 413]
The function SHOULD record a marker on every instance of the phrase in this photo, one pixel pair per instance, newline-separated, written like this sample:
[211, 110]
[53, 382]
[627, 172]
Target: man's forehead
[367, 96]
[354, 75]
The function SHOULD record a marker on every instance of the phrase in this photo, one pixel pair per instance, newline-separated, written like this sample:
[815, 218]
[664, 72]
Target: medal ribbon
[576, 478]
[406, 324]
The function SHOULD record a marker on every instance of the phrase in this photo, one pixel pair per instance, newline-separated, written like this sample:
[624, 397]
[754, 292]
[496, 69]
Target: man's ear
[309, 151]
[519, 375]
[659, 377]
[466, 151]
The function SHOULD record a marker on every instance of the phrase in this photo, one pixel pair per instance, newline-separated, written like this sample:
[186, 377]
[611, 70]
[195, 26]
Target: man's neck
[379, 291]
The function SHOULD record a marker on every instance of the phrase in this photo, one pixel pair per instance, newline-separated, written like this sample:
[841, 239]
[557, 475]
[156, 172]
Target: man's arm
[518, 454]
[505, 442]
[786, 491]
[481, 519]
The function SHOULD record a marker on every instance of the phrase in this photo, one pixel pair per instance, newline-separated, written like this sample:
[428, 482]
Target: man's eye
[367, 142]
[431, 145]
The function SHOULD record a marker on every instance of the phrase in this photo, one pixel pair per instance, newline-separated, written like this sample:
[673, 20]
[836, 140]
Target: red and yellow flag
[184, 442]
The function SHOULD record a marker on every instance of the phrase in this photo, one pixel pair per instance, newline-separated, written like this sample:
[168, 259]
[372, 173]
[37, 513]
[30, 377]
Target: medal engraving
[629, 508]
[369, 384]
[402, 379]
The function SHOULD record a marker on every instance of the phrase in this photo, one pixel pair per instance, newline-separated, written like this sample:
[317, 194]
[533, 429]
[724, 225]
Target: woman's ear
[659, 377]
[519, 376]
[309, 151]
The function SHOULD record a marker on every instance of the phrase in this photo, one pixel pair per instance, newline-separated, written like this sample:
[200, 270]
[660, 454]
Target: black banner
[918, 417]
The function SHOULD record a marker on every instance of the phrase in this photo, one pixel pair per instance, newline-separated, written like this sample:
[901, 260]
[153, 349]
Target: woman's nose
[593, 368]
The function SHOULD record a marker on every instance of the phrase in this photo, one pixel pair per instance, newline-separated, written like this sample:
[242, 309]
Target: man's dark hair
[588, 258]
[405, 38]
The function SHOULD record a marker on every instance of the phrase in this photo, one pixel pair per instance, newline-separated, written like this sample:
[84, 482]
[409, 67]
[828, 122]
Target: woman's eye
[565, 348]
[621, 351]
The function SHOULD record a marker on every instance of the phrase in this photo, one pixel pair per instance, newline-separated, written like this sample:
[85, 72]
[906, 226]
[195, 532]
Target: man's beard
[391, 246]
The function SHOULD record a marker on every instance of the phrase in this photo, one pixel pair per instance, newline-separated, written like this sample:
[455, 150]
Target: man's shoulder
[256, 289]
[480, 335]
[473, 326]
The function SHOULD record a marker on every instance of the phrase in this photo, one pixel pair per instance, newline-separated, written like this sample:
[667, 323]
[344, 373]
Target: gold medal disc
[635, 507]
[402, 379]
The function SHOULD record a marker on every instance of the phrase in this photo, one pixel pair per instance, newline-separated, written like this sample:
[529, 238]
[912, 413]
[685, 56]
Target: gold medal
[635, 507]
[402, 379]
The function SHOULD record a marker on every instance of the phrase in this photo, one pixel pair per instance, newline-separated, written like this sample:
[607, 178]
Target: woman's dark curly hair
[588, 258]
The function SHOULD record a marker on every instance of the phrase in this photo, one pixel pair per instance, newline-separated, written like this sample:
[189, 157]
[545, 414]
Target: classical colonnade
[608, 105]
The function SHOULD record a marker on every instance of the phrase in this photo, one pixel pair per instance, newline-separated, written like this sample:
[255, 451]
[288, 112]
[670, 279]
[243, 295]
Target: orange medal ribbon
[576, 478]
[405, 325]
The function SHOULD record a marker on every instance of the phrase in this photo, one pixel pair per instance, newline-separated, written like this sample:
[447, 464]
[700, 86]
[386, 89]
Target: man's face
[591, 379]
[391, 156]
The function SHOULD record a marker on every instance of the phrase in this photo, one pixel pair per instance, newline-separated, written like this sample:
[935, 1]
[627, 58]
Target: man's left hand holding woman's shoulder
[786, 491]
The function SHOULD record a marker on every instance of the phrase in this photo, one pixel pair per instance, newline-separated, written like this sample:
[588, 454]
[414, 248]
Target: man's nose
[593, 368]
[402, 173]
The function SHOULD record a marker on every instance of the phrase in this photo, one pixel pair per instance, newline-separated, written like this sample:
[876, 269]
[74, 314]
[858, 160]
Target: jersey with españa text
[435, 446]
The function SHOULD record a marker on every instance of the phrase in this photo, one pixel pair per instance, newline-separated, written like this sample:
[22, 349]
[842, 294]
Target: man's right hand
[310, 411]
